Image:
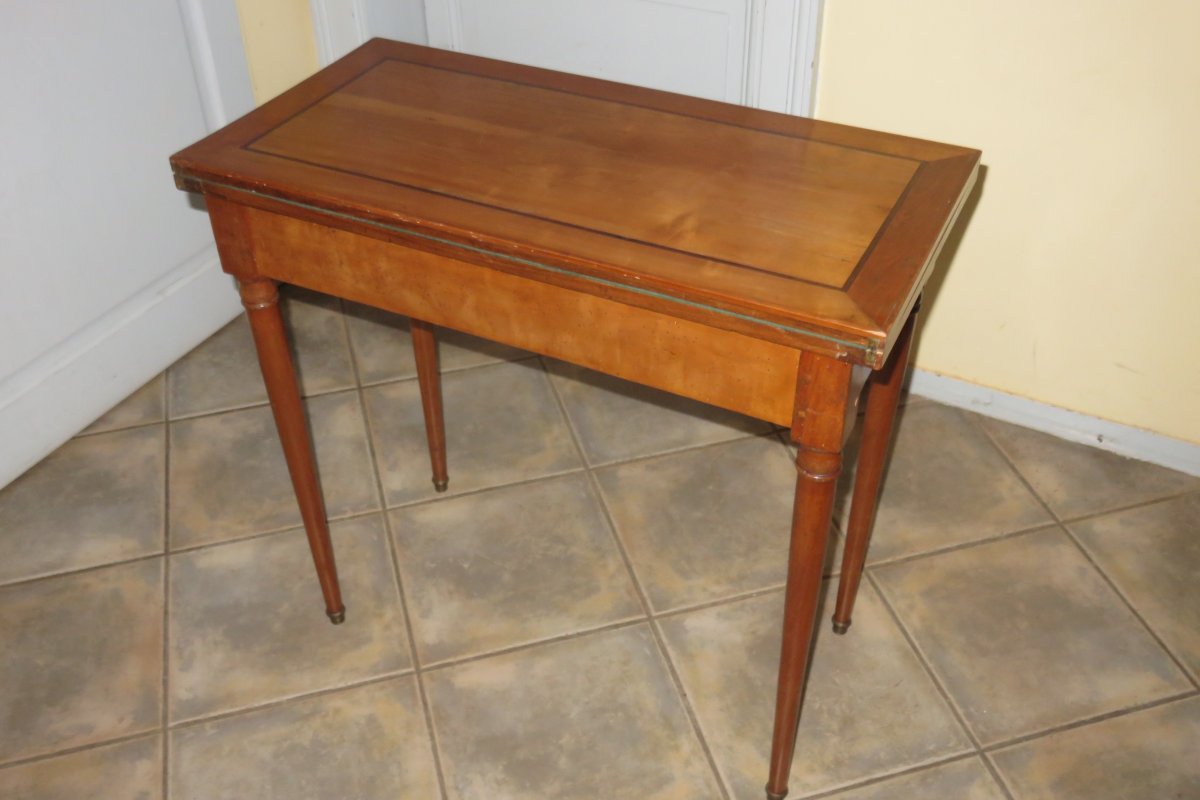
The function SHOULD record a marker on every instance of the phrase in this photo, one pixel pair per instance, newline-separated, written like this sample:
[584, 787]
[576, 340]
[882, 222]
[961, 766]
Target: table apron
[723, 368]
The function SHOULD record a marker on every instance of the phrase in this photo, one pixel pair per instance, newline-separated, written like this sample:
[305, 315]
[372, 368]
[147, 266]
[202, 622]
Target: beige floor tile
[248, 624]
[704, 524]
[967, 779]
[1146, 754]
[595, 716]
[92, 501]
[1026, 635]
[617, 420]
[383, 347]
[229, 479]
[131, 769]
[509, 566]
[945, 485]
[145, 406]
[503, 425]
[82, 658]
[366, 742]
[870, 709]
[1152, 554]
[1075, 479]
[222, 373]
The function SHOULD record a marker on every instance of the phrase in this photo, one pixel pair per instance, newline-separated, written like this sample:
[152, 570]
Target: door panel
[695, 47]
[754, 52]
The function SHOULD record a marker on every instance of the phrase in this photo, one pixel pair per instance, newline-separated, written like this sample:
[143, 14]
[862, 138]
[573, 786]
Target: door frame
[783, 38]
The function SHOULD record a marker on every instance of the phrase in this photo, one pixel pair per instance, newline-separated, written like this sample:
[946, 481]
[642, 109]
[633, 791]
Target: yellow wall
[1077, 282]
[281, 49]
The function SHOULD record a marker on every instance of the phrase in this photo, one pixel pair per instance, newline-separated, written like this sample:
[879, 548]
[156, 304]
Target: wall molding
[54, 396]
[1073, 426]
[340, 26]
[39, 404]
[780, 48]
[443, 24]
[218, 56]
[781, 55]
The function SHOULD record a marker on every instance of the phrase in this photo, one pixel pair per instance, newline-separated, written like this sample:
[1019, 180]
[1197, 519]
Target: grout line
[410, 636]
[218, 716]
[459, 661]
[445, 370]
[1130, 507]
[598, 497]
[996, 775]
[937, 683]
[166, 616]
[81, 570]
[720, 601]
[978, 421]
[453, 495]
[1104, 576]
[878, 779]
[954, 548]
[80, 748]
[305, 397]
[608, 626]
[1093, 720]
[187, 549]
[647, 609]
[299, 527]
[685, 700]
[1179, 664]
[678, 451]
[120, 429]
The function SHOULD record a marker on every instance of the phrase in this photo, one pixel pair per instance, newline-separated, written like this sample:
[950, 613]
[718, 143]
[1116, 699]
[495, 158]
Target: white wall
[109, 273]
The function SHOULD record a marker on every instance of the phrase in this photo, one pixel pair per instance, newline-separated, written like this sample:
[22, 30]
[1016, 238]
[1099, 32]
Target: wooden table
[763, 263]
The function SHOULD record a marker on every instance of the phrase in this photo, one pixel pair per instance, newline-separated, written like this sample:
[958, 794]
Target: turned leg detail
[883, 397]
[261, 299]
[430, 381]
[823, 395]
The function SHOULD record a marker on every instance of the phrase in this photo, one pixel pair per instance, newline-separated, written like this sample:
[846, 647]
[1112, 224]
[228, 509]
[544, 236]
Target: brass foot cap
[337, 617]
[440, 486]
[841, 627]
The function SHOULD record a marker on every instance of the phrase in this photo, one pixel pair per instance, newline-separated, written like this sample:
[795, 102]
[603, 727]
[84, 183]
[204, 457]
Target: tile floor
[591, 611]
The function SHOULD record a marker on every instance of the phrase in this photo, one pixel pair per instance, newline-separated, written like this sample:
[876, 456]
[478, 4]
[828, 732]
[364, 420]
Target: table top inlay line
[788, 222]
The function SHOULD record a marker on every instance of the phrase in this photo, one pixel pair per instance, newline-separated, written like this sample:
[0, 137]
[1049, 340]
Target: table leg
[822, 397]
[430, 381]
[261, 299]
[883, 397]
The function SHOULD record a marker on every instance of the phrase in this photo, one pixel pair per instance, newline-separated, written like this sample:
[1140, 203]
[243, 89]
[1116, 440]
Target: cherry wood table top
[811, 234]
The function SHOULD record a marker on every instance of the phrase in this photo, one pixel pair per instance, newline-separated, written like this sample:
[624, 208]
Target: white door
[108, 273]
[753, 52]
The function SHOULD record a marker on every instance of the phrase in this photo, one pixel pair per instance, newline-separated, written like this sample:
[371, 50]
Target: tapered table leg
[883, 397]
[823, 396]
[261, 299]
[430, 382]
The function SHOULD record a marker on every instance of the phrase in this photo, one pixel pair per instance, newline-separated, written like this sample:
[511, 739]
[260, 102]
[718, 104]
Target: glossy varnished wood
[883, 398]
[424, 342]
[717, 366]
[823, 392]
[759, 262]
[819, 231]
[261, 299]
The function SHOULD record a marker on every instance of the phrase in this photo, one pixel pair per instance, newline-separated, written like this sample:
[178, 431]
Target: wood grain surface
[750, 216]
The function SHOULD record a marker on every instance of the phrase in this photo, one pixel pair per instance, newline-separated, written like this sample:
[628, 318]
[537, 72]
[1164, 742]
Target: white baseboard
[1070, 425]
[51, 399]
